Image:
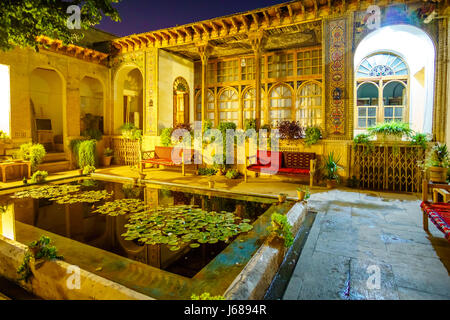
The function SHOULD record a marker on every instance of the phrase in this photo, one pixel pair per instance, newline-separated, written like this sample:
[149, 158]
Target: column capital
[257, 41]
[204, 49]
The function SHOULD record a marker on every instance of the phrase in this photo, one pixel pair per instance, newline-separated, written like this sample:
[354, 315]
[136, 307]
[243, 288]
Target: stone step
[54, 156]
[55, 166]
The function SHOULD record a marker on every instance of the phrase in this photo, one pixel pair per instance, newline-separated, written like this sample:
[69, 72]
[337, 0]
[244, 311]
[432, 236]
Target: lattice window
[247, 69]
[227, 71]
[229, 105]
[209, 107]
[249, 102]
[394, 100]
[309, 62]
[309, 104]
[280, 65]
[367, 103]
[380, 65]
[280, 104]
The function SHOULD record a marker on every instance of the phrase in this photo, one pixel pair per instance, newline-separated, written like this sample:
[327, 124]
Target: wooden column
[256, 41]
[204, 51]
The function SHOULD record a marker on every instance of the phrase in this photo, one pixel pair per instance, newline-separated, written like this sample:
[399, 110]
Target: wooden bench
[296, 164]
[437, 212]
[162, 156]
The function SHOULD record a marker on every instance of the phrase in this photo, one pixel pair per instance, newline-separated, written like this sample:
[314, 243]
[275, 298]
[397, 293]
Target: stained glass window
[381, 65]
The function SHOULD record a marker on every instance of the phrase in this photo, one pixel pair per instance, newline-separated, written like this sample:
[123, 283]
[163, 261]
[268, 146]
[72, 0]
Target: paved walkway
[355, 230]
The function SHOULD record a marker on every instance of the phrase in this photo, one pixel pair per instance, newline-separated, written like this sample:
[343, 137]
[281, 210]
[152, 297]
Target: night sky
[147, 15]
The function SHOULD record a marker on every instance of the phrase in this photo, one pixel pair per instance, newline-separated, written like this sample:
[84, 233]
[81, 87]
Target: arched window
[249, 102]
[229, 105]
[381, 90]
[280, 102]
[209, 107]
[309, 104]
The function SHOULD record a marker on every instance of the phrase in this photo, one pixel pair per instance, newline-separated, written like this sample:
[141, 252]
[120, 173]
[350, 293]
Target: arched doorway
[128, 98]
[394, 78]
[91, 106]
[47, 104]
[180, 101]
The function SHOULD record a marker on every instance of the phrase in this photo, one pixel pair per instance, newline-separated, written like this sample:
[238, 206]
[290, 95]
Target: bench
[437, 212]
[296, 164]
[162, 156]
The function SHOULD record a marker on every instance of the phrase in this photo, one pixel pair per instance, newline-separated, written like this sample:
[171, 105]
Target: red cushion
[264, 169]
[164, 162]
[299, 171]
[163, 152]
[439, 214]
[266, 158]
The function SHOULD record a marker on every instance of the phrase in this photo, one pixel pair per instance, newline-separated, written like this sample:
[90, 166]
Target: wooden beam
[188, 32]
[245, 22]
[316, 10]
[255, 19]
[225, 27]
[291, 13]
[233, 21]
[266, 17]
[215, 28]
[206, 29]
[278, 12]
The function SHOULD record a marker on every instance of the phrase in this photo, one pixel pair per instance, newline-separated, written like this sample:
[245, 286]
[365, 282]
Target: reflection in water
[78, 222]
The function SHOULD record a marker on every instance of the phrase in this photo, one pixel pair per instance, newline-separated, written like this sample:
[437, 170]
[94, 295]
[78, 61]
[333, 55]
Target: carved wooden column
[204, 51]
[257, 42]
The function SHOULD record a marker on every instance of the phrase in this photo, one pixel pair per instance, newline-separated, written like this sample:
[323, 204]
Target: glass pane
[362, 112]
[371, 112]
[371, 122]
[394, 93]
[367, 95]
[362, 122]
[388, 112]
[398, 112]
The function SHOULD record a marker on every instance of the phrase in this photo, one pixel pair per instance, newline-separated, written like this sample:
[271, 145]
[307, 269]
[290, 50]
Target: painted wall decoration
[335, 64]
[420, 15]
[151, 102]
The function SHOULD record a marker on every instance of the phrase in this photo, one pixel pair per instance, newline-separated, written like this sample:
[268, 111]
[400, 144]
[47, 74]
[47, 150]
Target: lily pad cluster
[183, 224]
[48, 191]
[85, 196]
[121, 207]
[63, 194]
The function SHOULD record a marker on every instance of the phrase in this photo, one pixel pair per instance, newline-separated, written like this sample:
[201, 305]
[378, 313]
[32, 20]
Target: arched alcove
[403, 53]
[128, 97]
[91, 105]
[46, 95]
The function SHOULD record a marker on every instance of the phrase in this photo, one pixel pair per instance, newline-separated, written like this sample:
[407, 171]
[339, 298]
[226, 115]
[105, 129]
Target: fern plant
[312, 135]
[281, 228]
[87, 153]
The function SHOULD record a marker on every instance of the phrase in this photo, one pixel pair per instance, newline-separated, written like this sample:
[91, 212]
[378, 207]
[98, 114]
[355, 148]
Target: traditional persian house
[340, 65]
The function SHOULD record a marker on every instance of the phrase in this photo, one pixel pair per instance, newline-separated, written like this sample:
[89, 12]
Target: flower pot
[219, 172]
[438, 174]
[331, 183]
[301, 195]
[211, 184]
[388, 137]
[107, 161]
[281, 198]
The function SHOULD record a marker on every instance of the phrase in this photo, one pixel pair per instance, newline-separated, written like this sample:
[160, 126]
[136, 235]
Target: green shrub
[249, 124]
[363, 139]
[206, 171]
[166, 137]
[88, 169]
[92, 134]
[420, 139]
[87, 153]
[438, 156]
[34, 153]
[232, 174]
[206, 296]
[281, 228]
[312, 135]
[39, 176]
[130, 131]
[392, 128]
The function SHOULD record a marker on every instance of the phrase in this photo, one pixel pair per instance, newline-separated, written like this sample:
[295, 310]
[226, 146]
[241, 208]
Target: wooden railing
[388, 166]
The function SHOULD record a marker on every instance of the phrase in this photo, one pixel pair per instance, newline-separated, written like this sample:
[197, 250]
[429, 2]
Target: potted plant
[107, 156]
[312, 135]
[39, 176]
[437, 162]
[390, 131]
[303, 193]
[88, 169]
[282, 197]
[331, 168]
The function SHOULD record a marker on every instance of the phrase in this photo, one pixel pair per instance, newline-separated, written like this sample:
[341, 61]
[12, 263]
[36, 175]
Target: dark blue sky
[146, 15]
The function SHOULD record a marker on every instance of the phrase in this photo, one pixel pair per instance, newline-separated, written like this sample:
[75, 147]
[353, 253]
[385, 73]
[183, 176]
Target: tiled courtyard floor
[353, 230]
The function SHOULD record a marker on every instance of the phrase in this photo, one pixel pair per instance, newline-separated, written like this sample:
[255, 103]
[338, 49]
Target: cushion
[164, 162]
[439, 214]
[298, 171]
[264, 169]
[298, 159]
[163, 152]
